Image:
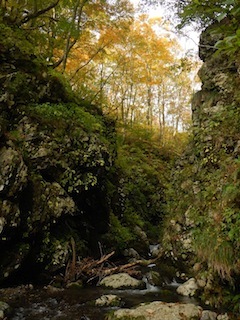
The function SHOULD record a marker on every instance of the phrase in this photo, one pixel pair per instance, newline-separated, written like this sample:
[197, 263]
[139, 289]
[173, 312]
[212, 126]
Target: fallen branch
[89, 269]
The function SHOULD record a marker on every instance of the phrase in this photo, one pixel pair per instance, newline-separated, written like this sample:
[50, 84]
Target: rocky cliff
[55, 155]
[205, 216]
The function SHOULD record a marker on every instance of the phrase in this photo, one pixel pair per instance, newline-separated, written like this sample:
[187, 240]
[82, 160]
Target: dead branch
[89, 269]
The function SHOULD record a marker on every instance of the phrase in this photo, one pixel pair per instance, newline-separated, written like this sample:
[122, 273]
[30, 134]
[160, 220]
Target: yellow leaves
[132, 70]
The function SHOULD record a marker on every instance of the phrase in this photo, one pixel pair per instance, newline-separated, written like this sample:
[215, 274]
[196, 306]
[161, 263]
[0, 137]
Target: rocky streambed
[97, 303]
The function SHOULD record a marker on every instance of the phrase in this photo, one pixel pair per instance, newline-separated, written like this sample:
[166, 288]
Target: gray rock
[188, 288]
[122, 281]
[158, 310]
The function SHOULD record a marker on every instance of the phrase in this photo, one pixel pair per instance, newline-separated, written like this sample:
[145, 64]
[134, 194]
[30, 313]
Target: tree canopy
[127, 63]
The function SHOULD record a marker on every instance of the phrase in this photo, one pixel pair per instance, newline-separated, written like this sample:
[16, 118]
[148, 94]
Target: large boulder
[158, 310]
[122, 281]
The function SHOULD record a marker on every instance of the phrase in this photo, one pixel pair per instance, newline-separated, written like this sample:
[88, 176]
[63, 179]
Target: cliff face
[205, 212]
[216, 167]
[55, 155]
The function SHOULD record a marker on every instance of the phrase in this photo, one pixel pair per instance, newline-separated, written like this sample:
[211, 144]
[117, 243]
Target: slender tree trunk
[149, 106]
[161, 112]
[76, 17]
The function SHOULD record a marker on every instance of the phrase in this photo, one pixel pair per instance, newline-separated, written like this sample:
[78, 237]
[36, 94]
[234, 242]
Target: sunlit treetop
[202, 13]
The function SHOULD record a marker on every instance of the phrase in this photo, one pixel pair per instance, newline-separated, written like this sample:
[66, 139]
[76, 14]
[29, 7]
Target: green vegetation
[121, 182]
[139, 192]
[208, 190]
[62, 115]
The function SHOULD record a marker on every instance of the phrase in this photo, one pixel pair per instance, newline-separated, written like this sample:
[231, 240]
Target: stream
[39, 303]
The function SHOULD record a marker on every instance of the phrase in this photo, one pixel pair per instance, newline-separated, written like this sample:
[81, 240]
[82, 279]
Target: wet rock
[159, 310]
[122, 281]
[108, 300]
[188, 288]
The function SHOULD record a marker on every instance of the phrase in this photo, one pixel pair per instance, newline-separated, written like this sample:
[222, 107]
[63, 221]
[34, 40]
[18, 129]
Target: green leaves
[67, 114]
[230, 44]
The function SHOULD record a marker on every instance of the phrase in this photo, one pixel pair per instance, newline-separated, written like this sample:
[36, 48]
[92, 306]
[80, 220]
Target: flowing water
[30, 303]
[69, 304]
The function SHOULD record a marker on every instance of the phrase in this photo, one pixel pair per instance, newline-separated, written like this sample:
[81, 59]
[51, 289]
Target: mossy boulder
[122, 281]
[158, 310]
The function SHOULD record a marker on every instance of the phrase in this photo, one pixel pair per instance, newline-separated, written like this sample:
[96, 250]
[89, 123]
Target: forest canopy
[127, 62]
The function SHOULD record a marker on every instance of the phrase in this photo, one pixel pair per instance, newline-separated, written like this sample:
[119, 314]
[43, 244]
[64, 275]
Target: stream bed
[39, 303]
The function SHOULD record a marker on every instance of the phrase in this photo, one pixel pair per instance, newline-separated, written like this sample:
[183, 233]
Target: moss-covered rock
[159, 310]
[55, 158]
[122, 281]
[205, 197]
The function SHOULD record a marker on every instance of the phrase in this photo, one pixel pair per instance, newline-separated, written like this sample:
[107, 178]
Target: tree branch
[89, 60]
[34, 15]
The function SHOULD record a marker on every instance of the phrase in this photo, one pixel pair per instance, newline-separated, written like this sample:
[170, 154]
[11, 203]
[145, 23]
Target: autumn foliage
[128, 63]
